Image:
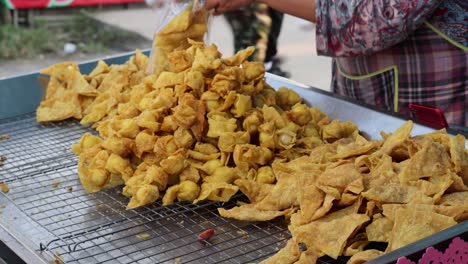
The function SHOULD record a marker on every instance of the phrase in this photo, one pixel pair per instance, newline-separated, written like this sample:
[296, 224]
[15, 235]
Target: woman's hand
[221, 6]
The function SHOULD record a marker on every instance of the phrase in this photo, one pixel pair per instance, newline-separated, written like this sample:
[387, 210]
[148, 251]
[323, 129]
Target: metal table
[48, 216]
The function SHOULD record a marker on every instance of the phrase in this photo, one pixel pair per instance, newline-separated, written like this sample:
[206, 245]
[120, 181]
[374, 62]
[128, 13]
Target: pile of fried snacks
[203, 127]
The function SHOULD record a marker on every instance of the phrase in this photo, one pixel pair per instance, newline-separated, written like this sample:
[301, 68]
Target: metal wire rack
[78, 227]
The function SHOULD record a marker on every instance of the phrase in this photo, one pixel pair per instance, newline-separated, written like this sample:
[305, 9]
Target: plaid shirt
[391, 53]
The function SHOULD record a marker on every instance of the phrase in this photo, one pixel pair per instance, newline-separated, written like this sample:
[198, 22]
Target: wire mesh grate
[80, 227]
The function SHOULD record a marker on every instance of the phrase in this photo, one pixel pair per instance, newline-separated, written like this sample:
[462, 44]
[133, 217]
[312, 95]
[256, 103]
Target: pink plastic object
[457, 252]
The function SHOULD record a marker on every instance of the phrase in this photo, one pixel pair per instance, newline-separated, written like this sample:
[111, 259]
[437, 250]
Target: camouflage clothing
[256, 25]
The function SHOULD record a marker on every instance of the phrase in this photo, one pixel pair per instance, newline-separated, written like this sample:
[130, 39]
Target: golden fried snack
[200, 127]
[289, 254]
[65, 89]
[174, 37]
[413, 224]
[327, 237]
[250, 213]
[364, 256]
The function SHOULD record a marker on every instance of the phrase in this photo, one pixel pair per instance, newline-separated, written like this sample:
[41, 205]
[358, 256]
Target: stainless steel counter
[43, 220]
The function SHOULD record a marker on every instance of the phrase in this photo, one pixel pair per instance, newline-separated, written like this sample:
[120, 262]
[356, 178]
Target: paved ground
[296, 45]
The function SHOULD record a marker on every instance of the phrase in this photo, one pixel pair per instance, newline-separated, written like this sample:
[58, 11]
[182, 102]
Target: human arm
[301, 8]
[355, 28]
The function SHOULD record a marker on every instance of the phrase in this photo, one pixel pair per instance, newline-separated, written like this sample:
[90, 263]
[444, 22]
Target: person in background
[258, 25]
[155, 3]
[389, 53]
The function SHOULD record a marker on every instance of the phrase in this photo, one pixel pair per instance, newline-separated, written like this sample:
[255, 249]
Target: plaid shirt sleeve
[363, 27]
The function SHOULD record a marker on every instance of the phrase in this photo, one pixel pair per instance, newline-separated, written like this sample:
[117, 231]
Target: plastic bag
[180, 21]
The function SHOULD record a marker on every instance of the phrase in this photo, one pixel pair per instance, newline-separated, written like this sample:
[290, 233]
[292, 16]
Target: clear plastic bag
[179, 21]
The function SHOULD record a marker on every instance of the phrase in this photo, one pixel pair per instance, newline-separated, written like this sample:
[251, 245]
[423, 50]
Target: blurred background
[38, 33]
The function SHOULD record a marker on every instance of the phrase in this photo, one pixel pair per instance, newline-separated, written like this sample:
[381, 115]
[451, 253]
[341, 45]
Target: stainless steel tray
[43, 220]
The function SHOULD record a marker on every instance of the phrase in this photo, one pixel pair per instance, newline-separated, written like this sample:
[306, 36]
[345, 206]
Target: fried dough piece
[341, 178]
[239, 57]
[250, 213]
[175, 36]
[364, 256]
[202, 128]
[359, 147]
[216, 191]
[91, 169]
[310, 256]
[336, 130]
[456, 198]
[459, 156]
[184, 191]
[380, 229]
[430, 161]
[324, 235]
[289, 254]
[413, 224]
[398, 138]
[146, 194]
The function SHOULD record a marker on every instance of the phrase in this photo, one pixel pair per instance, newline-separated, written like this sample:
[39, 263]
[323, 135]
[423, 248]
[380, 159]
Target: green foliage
[89, 35]
[18, 42]
[86, 30]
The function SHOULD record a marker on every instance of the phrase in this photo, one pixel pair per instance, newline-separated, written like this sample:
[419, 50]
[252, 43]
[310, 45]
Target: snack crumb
[143, 236]
[243, 233]
[58, 258]
[4, 137]
[2, 160]
[70, 188]
[55, 184]
[178, 260]
[4, 187]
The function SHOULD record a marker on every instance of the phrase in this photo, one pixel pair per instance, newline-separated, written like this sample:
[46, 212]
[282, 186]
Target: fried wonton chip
[356, 244]
[459, 157]
[359, 147]
[87, 141]
[391, 193]
[184, 191]
[250, 156]
[92, 169]
[175, 36]
[68, 74]
[216, 191]
[456, 211]
[430, 161]
[399, 137]
[250, 213]
[413, 224]
[309, 256]
[198, 127]
[239, 57]
[380, 229]
[336, 130]
[340, 178]
[60, 103]
[364, 256]
[286, 98]
[289, 254]
[324, 235]
[146, 194]
[119, 168]
[457, 198]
